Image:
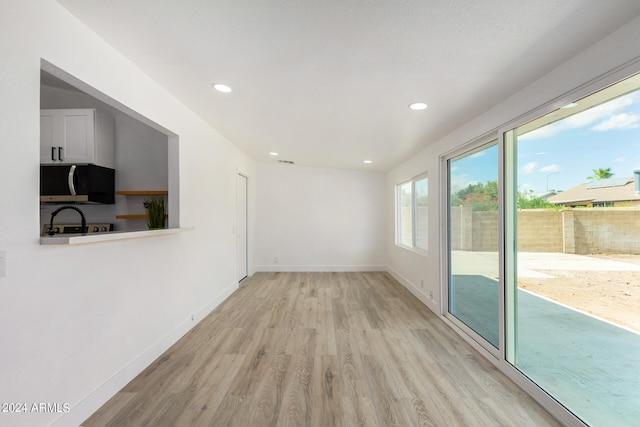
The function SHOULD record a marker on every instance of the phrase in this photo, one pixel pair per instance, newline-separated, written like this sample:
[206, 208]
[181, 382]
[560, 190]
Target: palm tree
[601, 174]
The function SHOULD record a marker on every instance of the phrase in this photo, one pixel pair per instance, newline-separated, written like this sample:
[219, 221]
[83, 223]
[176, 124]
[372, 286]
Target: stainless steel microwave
[77, 184]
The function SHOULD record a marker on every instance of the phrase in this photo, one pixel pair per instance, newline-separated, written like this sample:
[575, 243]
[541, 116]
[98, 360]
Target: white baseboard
[318, 268]
[86, 407]
[416, 291]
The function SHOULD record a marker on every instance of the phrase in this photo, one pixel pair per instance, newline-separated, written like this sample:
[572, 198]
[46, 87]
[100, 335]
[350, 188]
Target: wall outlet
[421, 283]
[275, 260]
[431, 295]
[192, 317]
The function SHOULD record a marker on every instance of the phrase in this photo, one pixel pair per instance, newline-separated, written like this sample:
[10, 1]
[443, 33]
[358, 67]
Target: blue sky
[481, 166]
[566, 152]
[563, 154]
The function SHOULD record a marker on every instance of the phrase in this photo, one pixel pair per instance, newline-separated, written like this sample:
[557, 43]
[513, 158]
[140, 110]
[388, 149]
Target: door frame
[445, 268]
[239, 176]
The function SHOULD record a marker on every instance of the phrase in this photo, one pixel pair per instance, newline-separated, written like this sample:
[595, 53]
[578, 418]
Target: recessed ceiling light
[273, 153]
[418, 106]
[222, 88]
[572, 105]
[368, 162]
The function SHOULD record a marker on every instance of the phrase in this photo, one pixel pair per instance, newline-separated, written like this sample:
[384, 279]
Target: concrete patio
[589, 364]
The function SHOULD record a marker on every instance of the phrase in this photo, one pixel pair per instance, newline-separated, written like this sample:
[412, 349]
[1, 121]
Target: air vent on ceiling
[288, 162]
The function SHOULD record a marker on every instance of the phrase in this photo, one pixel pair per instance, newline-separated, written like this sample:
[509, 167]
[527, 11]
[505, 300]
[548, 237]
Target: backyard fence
[573, 231]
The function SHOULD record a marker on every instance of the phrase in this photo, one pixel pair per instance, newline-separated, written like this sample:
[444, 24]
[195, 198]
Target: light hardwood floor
[321, 349]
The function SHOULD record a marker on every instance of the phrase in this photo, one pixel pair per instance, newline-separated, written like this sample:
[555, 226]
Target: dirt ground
[610, 295]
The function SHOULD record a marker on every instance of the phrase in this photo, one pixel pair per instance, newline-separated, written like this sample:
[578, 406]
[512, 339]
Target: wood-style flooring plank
[209, 395]
[321, 350]
[359, 412]
[328, 410]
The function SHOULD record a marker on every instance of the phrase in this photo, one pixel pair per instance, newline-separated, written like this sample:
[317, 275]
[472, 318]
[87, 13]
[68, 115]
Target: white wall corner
[415, 290]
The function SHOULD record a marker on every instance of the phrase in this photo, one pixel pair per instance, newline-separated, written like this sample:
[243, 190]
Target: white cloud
[478, 154]
[459, 182]
[550, 168]
[619, 121]
[529, 168]
[542, 132]
[598, 112]
[525, 187]
[542, 153]
[585, 118]
[621, 160]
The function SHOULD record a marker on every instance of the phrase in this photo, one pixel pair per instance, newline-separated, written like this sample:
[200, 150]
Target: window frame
[398, 213]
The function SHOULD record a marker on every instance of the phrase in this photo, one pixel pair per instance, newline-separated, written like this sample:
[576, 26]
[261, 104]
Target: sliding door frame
[507, 236]
[468, 149]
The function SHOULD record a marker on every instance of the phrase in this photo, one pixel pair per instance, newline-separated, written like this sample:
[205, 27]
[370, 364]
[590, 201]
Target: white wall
[315, 219]
[141, 164]
[141, 156]
[604, 63]
[417, 271]
[76, 323]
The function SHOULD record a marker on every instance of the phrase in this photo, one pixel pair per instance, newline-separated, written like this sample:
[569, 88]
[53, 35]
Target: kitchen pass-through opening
[83, 131]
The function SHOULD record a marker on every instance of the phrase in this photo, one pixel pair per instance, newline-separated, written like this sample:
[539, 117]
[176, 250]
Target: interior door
[241, 228]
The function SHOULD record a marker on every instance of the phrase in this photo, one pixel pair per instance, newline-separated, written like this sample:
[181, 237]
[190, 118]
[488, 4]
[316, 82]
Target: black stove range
[66, 229]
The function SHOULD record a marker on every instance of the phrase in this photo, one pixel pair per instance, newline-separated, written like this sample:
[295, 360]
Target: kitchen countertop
[80, 239]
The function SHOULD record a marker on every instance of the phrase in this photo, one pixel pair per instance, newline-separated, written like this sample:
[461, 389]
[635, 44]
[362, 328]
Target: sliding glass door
[573, 274]
[474, 277]
[543, 253]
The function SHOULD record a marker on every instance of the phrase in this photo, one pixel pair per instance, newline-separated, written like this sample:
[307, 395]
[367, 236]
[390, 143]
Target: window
[412, 213]
[405, 214]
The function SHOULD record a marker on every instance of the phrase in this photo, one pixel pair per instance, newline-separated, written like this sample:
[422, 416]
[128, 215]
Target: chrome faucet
[83, 228]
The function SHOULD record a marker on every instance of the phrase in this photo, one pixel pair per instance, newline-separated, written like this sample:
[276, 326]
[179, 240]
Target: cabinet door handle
[60, 153]
[53, 154]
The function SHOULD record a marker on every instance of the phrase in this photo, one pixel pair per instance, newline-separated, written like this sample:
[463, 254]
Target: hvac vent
[288, 162]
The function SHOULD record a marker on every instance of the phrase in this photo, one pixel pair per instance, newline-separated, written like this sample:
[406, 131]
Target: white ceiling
[328, 83]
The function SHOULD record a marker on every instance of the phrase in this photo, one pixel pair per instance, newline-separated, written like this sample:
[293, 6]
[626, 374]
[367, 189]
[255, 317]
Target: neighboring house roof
[599, 191]
[544, 195]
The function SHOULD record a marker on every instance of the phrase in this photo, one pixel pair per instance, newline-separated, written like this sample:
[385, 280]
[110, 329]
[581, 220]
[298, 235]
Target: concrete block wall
[607, 230]
[540, 230]
[462, 228]
[580, 231]
[485, 231]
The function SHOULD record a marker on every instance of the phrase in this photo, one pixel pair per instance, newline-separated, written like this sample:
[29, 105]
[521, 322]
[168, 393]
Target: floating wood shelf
[143, 193]
[140, 193]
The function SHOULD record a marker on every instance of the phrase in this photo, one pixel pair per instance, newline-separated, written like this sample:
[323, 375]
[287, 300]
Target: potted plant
[156, 212]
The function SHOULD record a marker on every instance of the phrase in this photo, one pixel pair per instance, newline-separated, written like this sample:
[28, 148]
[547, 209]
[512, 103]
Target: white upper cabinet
[77, 136]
